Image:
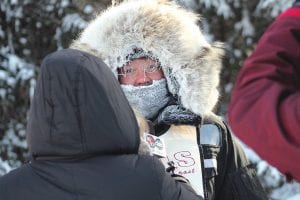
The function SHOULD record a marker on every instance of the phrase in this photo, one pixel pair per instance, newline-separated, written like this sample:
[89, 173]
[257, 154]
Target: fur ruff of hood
[166, 32]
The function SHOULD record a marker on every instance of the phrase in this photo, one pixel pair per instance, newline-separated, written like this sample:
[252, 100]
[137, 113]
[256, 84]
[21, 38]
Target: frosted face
[141, 71]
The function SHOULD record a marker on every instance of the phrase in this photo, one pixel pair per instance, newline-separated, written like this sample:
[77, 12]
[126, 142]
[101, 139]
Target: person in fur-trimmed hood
[170, 73]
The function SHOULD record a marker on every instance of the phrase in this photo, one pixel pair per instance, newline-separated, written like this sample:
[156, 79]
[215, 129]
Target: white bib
[182, 148]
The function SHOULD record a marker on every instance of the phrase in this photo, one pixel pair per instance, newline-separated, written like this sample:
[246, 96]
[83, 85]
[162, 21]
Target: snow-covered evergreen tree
[30, 29]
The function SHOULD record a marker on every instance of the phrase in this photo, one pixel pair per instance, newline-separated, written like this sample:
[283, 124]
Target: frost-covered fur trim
[169, 33]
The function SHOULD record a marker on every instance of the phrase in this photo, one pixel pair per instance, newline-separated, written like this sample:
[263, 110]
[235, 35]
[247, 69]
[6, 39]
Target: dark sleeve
[236, 177]
[264, 111]
[171, 189]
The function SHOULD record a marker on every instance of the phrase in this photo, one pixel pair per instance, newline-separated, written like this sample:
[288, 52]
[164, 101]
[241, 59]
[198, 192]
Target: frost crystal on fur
[191, 65]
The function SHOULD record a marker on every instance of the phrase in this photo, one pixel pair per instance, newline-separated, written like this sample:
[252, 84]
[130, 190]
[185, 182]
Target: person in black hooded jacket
[83, 140]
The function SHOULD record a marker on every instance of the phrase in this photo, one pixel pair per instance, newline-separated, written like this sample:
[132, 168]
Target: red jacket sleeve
[264, 111]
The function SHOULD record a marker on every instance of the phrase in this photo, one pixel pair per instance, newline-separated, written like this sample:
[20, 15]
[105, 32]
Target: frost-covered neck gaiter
[148, 99]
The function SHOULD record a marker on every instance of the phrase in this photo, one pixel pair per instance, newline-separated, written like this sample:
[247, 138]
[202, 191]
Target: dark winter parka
[83, 139]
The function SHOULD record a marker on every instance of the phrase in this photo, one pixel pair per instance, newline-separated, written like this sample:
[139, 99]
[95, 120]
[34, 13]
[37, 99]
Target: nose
[142, 79]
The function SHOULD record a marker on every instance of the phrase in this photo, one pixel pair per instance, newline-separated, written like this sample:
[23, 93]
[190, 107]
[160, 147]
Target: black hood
[79, 109]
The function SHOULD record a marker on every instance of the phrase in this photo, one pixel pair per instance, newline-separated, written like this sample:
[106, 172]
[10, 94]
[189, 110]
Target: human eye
[152, 68]
[129, 70]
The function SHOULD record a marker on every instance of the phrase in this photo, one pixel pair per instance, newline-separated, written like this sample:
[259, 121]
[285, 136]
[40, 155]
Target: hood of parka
[166, 32]
[79, 110]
